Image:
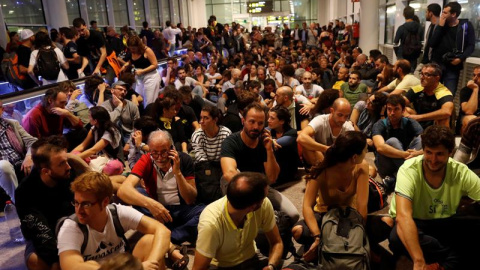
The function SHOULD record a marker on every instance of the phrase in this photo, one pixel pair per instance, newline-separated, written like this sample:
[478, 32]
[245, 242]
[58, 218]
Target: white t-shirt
[61, 58]
[408, 82]
[227, 85]
[209, 76]
[169, 34]
[323, 132]
[313, 92]
[100, 244]
[188, 81]
[278, 76]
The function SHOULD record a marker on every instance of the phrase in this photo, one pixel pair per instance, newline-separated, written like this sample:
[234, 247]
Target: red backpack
[11, 71]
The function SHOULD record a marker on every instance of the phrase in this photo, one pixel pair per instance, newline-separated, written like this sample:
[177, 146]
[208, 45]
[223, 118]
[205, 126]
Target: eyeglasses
[155, 154]
[425, 74]
[84, 205]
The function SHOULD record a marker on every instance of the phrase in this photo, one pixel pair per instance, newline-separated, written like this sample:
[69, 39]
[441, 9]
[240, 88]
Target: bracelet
[317, 236]
[273, 266]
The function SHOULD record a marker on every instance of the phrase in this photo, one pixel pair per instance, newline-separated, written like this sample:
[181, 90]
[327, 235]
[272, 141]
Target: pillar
[56, 13]
[198, 13]
[368, 25]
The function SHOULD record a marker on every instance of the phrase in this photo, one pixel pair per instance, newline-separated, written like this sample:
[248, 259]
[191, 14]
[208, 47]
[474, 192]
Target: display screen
[260, 6]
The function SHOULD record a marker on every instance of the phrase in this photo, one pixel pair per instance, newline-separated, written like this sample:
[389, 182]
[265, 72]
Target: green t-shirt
[353, 95]
[430, 203]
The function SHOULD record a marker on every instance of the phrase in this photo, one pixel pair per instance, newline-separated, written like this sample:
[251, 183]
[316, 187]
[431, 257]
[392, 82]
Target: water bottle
[13, 222]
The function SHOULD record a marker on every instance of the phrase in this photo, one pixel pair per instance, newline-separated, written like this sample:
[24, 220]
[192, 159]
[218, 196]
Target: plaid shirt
[7, 152]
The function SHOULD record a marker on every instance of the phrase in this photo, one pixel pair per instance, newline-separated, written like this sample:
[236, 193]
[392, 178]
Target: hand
[138, 72]
[412, 116]
[472, 85]
[169, 70]
[101, 87]
[267, 139]
[312, 252]
[160, 213]
[60, 111]
[75, 94]
[419, 265]
[80, 73]
[137, 138]
[173, 155]
[97, 71]
[116, 101]
[276, 145]
[443, 19]
[27, 165]
[305, 110]
[456, 61]
[412, 153]
[369, 142]
[150, 265]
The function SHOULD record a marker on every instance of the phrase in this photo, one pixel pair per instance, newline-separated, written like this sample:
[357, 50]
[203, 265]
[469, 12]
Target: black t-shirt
[424, 103]
[187, 117]
[39, 207]
[148, 34]
[69, 50]
[287, 157]
[287, 34]
[248, 159]
[465, 95]
[90, 47]
[23, 53]
[196, 104]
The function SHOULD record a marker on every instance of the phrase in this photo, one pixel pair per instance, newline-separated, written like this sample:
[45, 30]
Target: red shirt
[41, 123]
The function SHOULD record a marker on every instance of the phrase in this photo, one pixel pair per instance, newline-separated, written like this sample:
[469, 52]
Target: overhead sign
[260, 6]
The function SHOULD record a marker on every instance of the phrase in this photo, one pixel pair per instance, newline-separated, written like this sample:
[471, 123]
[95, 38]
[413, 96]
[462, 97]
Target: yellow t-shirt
[227, 245]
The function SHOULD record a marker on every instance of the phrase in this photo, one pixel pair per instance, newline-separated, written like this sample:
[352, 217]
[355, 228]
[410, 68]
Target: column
[56, 13]
[198, 13]
[368, 25]
[3, 31]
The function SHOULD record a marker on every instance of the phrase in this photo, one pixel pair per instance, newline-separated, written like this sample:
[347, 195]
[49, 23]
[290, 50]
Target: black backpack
[377, 197]
[48, 65]
[412, 45]
[116, 223]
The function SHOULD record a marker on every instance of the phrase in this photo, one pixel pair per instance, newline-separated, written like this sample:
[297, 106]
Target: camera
[449, 56]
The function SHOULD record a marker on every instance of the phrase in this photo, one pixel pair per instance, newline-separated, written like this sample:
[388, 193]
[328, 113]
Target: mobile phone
[172, 147]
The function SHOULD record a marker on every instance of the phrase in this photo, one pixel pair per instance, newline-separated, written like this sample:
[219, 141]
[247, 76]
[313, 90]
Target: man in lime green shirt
[228, 227]
[427, 194]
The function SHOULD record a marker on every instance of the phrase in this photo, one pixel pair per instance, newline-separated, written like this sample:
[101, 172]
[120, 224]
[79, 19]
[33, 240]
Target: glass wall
[29, 12]
[176, 12]
[97, 11]
[390, 24]
[120, 13]
[154, 15]
[165, 11]
[139, 13]
[73, 10]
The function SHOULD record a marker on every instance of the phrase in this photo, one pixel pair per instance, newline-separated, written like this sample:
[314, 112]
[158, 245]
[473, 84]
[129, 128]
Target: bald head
[340, 103]
[236, 73]
[362, 58]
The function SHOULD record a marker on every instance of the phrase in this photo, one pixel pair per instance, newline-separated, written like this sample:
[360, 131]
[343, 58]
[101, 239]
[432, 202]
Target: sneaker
[389, 183]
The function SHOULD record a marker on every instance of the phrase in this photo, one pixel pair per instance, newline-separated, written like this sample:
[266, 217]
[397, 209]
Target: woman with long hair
[341, 180]
[285, 143]
[43, 47]
[202, 79]
[144, 65]
[105, 138]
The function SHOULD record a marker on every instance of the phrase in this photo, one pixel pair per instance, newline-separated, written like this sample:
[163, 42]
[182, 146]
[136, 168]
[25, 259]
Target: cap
[25, 34]
[121, 83]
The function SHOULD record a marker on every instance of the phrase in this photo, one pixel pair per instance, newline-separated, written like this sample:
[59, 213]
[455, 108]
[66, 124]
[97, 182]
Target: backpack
[207, 180]
[377, 197]
[11, 71]
[412, 45]
[116, 223]
[48, 65]
[344, 243]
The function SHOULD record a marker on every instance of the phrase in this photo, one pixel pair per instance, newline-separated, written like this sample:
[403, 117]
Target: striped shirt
[206, 148]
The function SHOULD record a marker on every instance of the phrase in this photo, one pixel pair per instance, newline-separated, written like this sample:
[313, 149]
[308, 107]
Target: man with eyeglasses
[122, 111]
[469, 100]
[93, 237]
[432, 101]
[43, 197]
[170, 188]
[396, 139]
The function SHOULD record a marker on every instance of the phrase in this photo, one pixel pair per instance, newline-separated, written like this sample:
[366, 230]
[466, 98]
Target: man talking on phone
[252, 150]
[170, 192]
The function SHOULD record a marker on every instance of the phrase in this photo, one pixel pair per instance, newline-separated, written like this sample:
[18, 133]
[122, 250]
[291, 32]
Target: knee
[394, 142]
[6, 167]
[297, 232]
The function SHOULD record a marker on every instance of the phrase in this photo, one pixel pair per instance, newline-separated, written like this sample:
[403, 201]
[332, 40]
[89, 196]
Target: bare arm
[305, 138]
[86, 142]
[161, 238]
[73, 260]
[443, 113]
[272, 169]
[362, 190]
[387, 150]
[309, 201]
[103, 56]
[201, 262]
[276, 246]
[186, 188]
[407, 231]
[471, 106]
[229, 168]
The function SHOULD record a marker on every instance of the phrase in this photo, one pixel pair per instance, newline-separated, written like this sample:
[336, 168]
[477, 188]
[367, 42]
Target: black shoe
[389, 183]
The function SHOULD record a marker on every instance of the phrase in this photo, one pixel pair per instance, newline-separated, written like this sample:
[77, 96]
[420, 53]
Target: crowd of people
[199, 148]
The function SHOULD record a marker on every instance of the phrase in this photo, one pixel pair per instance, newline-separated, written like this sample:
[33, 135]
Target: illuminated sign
[260, 6]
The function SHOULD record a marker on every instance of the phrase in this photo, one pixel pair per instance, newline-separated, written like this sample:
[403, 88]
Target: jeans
[451, 242]
[450, 79]
[8, 178]
[185, 219]
[389, 166]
